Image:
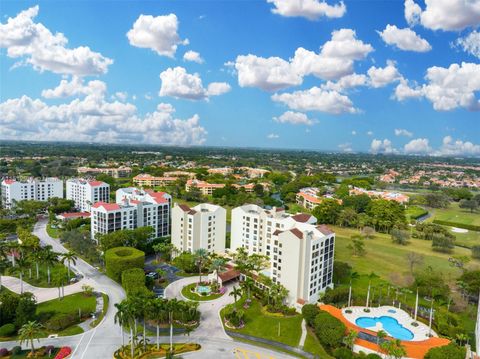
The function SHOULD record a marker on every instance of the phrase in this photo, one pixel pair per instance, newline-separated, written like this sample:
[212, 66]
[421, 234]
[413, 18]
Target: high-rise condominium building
[300, 251]
[31, 189]
[85, 193]
[203, 226]
[133, 208]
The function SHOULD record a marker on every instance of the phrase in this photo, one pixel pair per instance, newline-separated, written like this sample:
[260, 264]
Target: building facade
[134, 208]
[203, 226]
[300, 251]
[85, 193]
[31, 189]
[115, 172]
[146, 180]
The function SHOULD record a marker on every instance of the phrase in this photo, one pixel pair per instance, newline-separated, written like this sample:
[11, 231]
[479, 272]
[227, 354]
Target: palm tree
[37, 256]
[235, 293]
[50, 258]
[22, 264]
[172, 306]
[28, 332]
[159, 314]
[381, 334]
[125, 316]
[201, 257]
[12, 250]
[461, 338]
[218, 265]
[349, 339]
[3, 265]
[248, 284]
[69, 257]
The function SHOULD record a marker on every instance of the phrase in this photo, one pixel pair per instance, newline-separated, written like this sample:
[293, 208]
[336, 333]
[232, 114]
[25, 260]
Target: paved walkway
[43, 294]
[304, 334]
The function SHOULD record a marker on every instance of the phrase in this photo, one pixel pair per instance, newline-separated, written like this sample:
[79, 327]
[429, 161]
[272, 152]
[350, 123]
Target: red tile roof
[95, 183]
[297, 232]
[107, 206]
[158, 196]
[9, 181]
[229, 275]
[184, 207]
[302, 217]
[74, 214]
[324, 229]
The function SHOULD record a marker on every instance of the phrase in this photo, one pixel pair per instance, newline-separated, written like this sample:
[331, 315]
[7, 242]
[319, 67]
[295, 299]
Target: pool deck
[415, 349]
[420, 332]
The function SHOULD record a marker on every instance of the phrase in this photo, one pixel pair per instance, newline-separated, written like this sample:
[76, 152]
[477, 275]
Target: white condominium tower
[300, 251]
[133, 208]
[203, 226]
[31, 189]
[85, 193]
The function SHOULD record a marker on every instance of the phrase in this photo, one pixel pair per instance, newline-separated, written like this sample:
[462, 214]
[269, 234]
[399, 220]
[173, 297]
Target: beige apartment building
[146, 180]
[203, 226]
[300, 251]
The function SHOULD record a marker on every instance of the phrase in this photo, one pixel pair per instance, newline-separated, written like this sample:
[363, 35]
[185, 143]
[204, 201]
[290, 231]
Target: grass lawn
[70, 304]
[384, 257]
[458, 215]
[414, 212]
[73, 330]
[187, 293]
[53, 232]
[312, 345]
[265, 326]
[469, 239]
[56, 272]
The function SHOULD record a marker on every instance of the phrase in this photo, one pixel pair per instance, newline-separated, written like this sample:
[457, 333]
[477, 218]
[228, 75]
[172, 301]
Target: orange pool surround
[415, 349]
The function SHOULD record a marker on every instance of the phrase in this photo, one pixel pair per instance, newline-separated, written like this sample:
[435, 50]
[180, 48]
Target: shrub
[133, 280]
[121, 258]
[373, 356]
[329, 330]
[3, 352]
[7, 330]
[343, 353]
[476, 252]
[61, 321]
[309, 312]
[16, 350]
[450, 351]
[336, 296]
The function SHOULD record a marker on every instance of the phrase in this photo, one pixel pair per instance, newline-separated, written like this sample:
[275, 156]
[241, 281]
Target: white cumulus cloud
[310, 9]
[403, 132]
[458, 147]
[37, 46]
[193, 56]
[178, 83]
[158, 33]
[447, 15]
[418, 146]
[382, 76]
[447, 88]
[470, 43]
[404, 39]
[379, 146]
[75, 87]
[294, 118]
[317, 99]
[94, 119]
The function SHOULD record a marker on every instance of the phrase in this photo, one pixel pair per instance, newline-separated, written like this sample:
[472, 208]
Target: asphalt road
[102, 341]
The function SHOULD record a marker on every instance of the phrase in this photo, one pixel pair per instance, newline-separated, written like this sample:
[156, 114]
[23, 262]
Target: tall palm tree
[235, 293]
[159, 314]
[36, 256]
[201, 257]
[22, 264]
[69, 257]
[125, 316]
[172, 306]
[218, 264]
[50, 258]
[28, 332]
[3, 265]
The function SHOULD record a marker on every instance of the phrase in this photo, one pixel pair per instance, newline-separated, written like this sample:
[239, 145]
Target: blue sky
[378, 76]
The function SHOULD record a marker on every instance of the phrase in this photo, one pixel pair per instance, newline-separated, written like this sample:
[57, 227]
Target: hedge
[471, 227]
[122, 258]
[133, 280]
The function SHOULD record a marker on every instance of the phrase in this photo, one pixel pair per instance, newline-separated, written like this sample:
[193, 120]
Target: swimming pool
[389, 324]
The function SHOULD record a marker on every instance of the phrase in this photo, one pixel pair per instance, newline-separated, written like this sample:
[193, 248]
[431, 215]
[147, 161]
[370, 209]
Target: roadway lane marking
[88, 344]
[248, 354]
[76, 348]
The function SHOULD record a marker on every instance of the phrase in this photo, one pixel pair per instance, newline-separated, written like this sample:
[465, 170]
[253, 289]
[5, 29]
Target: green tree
[469, 204]
[201, 258]
[328, 211]
[329, 330]
[450, 351]
[350, 338]
[69, 257]
[218, 265]
[29, 332]
[357, 246]
[235, 293]
[400, 236]
[26, 308]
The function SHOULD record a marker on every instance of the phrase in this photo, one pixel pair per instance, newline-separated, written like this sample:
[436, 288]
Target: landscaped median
[44, 352]
[152, 352]
[209, 292]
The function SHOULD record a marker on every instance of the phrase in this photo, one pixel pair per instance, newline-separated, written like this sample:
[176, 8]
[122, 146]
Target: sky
[354, 76]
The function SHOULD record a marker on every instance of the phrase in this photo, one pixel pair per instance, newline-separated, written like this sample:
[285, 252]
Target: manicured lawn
[469, 239]
[413, 212]
[187, 293]
[384, 257]
[53, 232]
[70, 304]
[73, 330]
[265, 326]
[456, 214]
[312, 345]
[56, 272]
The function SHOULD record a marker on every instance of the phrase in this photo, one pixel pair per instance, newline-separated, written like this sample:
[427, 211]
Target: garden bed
[189, 292]
[154, 353]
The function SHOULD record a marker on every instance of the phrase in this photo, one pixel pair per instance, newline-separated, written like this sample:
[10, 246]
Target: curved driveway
[101, 341]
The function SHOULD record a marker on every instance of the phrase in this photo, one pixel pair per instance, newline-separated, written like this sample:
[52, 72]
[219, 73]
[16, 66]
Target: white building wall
[32, 189]
[85, 193]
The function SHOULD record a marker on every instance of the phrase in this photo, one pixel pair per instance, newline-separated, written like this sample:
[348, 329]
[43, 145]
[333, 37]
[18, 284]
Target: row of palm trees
[143, 308]
[30, 255]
